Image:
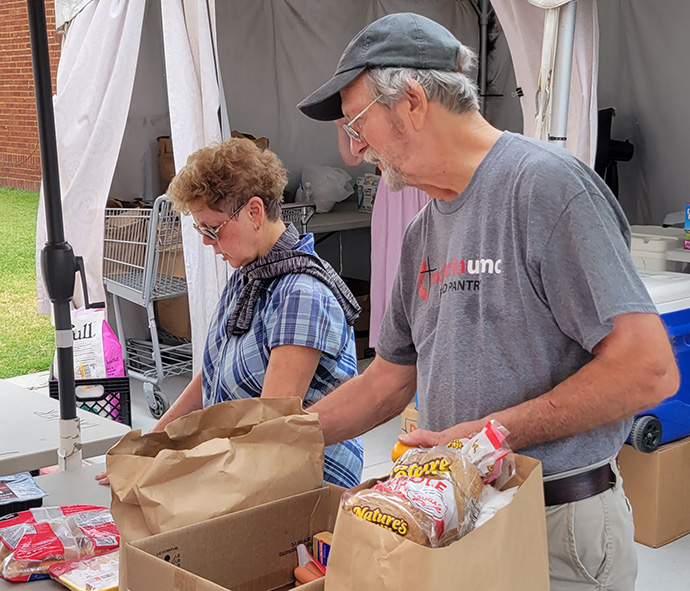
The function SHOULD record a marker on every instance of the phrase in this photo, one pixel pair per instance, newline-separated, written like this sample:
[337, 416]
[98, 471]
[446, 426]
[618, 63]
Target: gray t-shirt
[503, 292]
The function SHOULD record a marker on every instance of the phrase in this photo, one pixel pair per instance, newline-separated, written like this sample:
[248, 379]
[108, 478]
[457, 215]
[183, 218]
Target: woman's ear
[255, 208]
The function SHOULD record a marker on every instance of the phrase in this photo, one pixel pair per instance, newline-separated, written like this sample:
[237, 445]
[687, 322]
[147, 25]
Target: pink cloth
[393, 211]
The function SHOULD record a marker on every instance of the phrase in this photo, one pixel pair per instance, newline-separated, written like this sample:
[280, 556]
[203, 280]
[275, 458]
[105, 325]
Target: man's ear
[418, 104]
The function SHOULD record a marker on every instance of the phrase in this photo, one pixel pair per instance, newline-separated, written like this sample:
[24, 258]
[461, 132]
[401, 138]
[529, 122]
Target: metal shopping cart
[142, 263]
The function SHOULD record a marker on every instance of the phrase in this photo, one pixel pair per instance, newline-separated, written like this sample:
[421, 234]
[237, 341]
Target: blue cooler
[669, 420]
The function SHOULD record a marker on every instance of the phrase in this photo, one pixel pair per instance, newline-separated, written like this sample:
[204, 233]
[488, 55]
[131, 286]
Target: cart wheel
[646, 434]
[157, 401]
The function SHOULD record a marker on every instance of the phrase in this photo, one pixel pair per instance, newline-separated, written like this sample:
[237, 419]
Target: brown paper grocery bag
[508, 552]
[227, 457]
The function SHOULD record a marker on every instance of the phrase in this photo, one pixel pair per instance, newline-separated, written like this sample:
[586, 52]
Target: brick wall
[20, 161]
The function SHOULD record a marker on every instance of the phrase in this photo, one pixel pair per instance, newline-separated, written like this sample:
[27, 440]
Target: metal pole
[562, 70]
[58, 262]
[483, 50]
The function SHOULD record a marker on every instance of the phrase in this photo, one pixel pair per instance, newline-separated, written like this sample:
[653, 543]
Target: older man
[515, 299]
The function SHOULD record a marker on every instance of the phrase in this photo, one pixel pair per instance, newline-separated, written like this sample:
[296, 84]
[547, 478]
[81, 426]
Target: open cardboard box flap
[250, 550]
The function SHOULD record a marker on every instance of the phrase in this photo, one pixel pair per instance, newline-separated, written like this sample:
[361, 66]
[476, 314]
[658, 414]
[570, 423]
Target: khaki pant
[591, 543]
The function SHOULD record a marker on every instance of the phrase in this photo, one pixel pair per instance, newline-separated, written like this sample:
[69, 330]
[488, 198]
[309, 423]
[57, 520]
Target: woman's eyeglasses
[349, 130]
[214, 233]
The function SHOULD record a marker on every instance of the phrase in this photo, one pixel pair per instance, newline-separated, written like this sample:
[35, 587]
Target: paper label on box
[171, 555]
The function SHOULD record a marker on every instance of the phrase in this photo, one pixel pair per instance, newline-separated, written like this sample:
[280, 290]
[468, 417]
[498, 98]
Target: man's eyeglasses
[214, 233]
[349, 130]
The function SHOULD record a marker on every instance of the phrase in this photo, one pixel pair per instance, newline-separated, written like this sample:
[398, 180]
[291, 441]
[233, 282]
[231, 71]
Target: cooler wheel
[646, 434]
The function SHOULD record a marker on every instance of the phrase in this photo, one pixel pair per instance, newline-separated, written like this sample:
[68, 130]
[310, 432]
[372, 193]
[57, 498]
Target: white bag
[328, 184]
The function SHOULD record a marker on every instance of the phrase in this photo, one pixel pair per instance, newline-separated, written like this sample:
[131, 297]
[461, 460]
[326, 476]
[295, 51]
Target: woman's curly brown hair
[225, 176]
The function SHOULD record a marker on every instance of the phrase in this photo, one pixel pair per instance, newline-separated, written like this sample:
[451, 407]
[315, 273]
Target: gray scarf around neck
[283, 260]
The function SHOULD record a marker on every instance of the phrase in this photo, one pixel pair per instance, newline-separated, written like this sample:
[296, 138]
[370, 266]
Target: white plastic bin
[670, 292]
[649, 245]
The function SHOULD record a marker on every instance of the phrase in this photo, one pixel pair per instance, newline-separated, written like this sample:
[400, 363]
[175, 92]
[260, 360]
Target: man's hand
[424, 438]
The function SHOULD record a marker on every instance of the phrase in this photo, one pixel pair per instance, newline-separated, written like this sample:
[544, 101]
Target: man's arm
[633, 369]
[364, 402]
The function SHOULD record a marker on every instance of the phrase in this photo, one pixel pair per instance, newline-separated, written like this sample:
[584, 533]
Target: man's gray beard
[391, 174]
[394, 179]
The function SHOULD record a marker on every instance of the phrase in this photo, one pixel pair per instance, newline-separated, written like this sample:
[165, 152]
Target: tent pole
[483, 51]
[562, 70]
[58, 263]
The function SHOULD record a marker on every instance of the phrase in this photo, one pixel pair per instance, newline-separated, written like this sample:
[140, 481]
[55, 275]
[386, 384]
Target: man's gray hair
[456, 91]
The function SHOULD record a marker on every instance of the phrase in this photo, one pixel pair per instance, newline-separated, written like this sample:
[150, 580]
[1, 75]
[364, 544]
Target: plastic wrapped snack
[19, 492]
[95, 573]
[32, 541]
[490, 453]
[431, 497]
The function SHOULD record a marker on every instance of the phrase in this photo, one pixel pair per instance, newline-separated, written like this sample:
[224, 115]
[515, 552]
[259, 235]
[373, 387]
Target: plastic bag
[329, 185]
[96, 573]
[97, 351]
[431, 497]
[490, 453]
[33, 541]
[19, 492]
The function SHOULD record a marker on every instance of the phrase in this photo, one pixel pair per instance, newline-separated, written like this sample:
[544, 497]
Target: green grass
[27, 339]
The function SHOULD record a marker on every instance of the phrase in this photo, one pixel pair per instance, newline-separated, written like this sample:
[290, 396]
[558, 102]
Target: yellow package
[95, 573]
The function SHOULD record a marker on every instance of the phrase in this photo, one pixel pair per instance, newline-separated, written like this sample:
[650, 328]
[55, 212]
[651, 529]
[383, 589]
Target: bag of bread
[431, 497]
[32, 541]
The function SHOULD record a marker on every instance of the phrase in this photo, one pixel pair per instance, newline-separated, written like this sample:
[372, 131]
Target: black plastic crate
[106, 397]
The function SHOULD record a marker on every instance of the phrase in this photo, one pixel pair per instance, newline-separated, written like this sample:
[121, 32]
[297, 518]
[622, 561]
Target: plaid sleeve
[305, 312]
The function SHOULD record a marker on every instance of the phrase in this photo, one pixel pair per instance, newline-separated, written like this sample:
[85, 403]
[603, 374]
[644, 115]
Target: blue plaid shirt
[295, 309]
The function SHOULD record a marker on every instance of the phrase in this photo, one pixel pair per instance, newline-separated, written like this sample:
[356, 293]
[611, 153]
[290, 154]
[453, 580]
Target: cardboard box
[508, 552]
[250, 550]
[366, 187]
[166, 163]
[408, 418]
[657, 486]
[173, 316]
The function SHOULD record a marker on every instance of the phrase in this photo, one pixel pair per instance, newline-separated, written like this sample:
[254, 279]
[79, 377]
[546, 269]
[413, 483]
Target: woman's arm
[290, 371]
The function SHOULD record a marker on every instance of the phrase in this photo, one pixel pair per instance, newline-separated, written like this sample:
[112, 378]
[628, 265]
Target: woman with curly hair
[283, 325]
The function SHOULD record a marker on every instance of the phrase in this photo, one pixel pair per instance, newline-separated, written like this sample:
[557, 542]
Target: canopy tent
[132, 71]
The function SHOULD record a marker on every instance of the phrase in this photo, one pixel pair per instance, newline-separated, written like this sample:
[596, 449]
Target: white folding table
[29, 437]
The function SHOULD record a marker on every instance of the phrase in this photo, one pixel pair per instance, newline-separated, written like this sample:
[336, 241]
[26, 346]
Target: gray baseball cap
[402, 40]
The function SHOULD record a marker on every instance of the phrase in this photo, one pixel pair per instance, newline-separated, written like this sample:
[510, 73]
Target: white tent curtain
[66, 10]
[273, 54]
[523, 25]
[194, 99]
[94, 87]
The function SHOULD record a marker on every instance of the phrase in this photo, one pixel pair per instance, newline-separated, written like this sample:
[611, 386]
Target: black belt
[580, 486]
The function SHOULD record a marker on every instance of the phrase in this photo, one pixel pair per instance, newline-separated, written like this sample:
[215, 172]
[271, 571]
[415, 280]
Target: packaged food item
[322, 546]
[32, 541]
[308, 569]
[433, 495]
[95, 573]
[430, 498]
[19, 492]
[490, 453]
